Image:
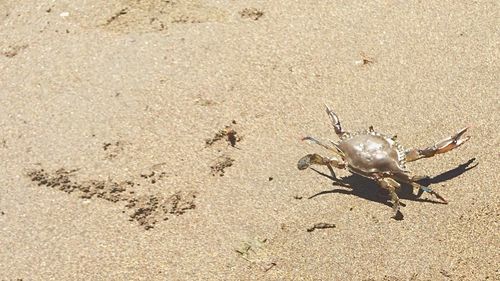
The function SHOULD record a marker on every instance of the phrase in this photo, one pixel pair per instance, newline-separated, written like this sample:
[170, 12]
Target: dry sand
[158, 140]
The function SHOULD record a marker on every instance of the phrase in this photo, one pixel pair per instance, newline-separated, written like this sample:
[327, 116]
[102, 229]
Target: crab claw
[304, 162]
[452, 142]
[440, 147]
[317, 159]
[310, 159]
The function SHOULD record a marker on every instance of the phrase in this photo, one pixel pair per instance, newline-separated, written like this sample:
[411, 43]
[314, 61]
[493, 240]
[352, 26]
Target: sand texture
[159, 140]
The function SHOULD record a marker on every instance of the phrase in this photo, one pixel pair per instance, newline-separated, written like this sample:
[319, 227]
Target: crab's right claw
[317, 159]
[304, 162]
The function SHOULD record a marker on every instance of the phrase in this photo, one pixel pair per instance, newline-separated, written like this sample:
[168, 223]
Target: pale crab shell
[369, 153]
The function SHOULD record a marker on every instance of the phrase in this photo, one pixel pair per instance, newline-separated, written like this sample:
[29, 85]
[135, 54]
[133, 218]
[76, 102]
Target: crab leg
[391, 185]
[335, 122]
[429, 190]
[334, 148]
[412, 179]
[440, 147]
[314, 140]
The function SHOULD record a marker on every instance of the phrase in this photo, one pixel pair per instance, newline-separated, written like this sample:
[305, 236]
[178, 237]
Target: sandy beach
[159, 140]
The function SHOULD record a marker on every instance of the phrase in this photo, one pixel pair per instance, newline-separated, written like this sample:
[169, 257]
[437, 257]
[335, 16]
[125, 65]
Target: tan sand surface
[158, 140]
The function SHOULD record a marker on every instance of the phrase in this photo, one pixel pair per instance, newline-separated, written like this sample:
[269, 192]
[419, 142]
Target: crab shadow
[369, 189]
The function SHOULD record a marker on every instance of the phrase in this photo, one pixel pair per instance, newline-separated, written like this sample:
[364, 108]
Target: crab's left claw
[452, 142]
[442, 146]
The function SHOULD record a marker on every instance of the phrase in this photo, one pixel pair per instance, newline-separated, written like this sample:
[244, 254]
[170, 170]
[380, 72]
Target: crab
[378, 157]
